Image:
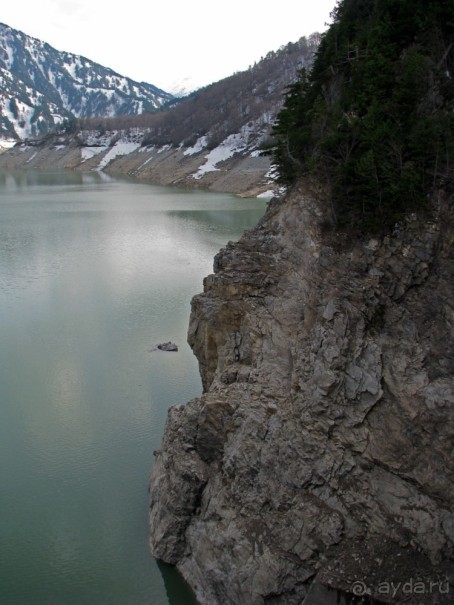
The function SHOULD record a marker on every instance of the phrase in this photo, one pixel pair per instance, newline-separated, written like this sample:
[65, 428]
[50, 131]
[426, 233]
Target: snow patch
[24, 115]
[272, 174]
[86, 153]
[269, 193]
[10, 53]
[245, 141]
[164, 148]
[7, 143]
[199, 146]
[139, 168]
[120, 148]
[231, 145]
[32, 157]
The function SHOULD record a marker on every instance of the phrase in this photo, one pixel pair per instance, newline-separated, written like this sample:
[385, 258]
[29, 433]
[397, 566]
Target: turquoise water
[94, 272]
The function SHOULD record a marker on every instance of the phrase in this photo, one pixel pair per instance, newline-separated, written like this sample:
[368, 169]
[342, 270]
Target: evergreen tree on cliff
[373, 120]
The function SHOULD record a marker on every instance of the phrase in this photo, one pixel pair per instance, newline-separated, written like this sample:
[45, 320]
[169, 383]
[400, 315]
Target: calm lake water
[94, 272]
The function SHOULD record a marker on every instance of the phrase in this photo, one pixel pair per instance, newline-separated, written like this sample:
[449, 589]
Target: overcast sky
[169, 42]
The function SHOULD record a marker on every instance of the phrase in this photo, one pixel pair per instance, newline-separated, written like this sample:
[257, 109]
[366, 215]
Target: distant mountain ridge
[41, 87]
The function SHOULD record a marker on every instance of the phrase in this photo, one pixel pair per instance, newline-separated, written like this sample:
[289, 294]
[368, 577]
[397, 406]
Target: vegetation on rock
[373, 119]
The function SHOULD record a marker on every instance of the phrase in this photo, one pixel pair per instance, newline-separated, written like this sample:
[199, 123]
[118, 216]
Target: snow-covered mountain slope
[41, 87]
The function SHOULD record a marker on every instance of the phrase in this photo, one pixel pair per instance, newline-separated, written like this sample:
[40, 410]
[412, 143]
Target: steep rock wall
[322, 446]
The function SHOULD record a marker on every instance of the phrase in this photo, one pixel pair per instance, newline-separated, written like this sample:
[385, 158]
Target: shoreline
[242, 174]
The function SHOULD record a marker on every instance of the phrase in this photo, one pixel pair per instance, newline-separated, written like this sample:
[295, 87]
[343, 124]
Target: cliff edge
[321, 450]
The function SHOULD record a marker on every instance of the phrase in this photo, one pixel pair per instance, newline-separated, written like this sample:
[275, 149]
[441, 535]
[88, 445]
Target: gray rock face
[326, 420]
[167, 346]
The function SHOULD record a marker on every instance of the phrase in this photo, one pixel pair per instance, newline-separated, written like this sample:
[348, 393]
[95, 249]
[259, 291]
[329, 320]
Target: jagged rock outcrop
[323, 441]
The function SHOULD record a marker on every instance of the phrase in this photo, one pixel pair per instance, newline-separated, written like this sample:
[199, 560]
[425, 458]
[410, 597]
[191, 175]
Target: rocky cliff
[321, 448]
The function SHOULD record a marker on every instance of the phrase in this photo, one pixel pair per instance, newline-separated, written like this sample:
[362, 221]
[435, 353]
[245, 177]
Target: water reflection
[177, 589]
[20, 179]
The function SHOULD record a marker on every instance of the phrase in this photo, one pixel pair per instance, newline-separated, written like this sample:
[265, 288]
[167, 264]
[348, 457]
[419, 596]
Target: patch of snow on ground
[269, 193]
[32, 157]
[200, 145]
[71, 69]
[272, 173]
[120, 148]
[164, 148]
[22, 120]
[10, 52]
[143, 164]
[86, 153]
[7, 143]
[231, 145]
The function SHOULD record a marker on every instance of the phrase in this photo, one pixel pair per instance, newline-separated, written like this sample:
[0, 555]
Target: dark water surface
[94, 272]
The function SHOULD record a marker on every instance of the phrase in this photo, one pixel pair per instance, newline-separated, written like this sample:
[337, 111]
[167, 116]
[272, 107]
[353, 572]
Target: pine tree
[373, 120]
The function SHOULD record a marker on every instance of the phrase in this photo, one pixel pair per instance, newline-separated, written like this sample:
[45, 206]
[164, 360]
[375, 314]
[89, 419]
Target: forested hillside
[373, 119]
[253, 96]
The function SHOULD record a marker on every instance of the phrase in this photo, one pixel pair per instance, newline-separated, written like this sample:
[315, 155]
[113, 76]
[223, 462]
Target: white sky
[169, 42]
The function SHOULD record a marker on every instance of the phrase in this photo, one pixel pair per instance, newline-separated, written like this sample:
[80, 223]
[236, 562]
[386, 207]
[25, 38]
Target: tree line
[373, 118]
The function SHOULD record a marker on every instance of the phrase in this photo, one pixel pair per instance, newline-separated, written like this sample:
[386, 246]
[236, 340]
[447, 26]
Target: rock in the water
[326, 419]
[167, 346]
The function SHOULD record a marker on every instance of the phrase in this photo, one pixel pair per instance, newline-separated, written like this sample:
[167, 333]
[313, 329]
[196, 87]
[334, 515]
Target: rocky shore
[319, 458]
[242, 172]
